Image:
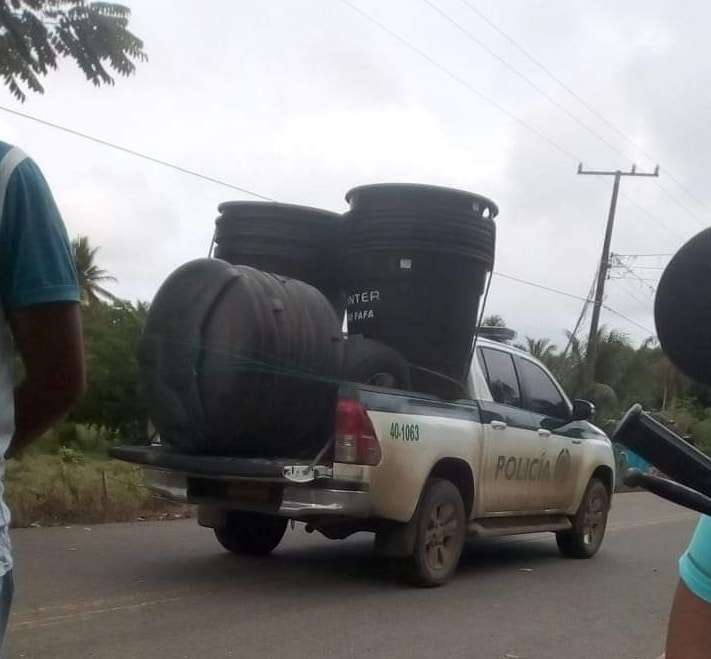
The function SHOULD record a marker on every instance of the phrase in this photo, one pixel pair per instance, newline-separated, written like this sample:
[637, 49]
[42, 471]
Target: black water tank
[241, 362]
[294, 241]
[416, 262]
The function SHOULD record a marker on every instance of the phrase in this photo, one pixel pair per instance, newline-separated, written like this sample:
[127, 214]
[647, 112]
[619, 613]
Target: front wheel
[251, 533]
[440, 534]
[589, 523]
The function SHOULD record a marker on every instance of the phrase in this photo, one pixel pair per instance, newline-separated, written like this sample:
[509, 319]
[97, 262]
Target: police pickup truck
[516, 456]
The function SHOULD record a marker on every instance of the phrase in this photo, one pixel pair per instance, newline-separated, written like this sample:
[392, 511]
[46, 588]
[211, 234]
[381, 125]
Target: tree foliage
[114, 400]
[90, 275]
[35, 34]
[112, 330]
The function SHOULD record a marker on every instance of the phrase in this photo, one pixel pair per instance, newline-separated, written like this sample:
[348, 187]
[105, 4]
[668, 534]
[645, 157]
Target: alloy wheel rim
[594, 520]
[440, 536]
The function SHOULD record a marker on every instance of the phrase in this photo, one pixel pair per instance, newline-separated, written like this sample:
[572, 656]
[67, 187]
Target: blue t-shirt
[36, 262]
[695, 564]
[36, 267]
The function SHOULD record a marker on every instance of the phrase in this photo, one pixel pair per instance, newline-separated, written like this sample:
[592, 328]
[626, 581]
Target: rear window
[501, 377]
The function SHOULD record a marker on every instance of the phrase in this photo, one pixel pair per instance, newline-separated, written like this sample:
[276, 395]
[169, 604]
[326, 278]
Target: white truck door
[510, 443]
[550, 415]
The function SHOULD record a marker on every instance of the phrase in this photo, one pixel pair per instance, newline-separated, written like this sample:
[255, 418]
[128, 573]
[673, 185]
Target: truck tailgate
[160, 457]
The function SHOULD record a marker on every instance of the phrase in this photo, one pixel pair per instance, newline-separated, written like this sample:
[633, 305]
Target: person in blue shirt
[689, 635]
[39, 320]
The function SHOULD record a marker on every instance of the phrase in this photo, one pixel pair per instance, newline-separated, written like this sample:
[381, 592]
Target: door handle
[542, 432]
[498, 425]
[577, 441]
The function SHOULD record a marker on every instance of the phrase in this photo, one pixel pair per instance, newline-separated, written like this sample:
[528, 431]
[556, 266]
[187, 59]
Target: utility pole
[605, 257]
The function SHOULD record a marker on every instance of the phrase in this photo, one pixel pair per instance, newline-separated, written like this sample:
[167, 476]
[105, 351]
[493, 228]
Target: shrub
[70, 487]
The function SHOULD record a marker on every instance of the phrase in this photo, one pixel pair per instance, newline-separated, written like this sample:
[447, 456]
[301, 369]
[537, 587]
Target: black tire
[371, 362]
[440, 534]
[252, 534]
[589, 523]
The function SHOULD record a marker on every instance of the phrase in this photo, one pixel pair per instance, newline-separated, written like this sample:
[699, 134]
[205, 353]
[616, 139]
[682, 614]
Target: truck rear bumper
[297, 501]
[256, 485]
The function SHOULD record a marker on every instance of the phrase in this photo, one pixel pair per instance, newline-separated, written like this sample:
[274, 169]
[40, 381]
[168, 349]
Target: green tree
[542, 349]
[114, 399]
[90, 275]
[34, 34]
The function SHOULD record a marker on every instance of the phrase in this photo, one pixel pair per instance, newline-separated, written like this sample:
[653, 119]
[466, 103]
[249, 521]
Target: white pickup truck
[421, 473]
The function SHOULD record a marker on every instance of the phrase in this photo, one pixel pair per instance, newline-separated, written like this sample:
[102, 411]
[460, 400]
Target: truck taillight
[356, 442]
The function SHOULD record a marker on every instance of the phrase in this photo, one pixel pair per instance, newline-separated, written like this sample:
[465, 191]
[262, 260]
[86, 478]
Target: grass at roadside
[71, 487]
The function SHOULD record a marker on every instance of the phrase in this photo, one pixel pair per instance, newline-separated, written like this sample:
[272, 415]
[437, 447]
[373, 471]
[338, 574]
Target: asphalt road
[168, 590]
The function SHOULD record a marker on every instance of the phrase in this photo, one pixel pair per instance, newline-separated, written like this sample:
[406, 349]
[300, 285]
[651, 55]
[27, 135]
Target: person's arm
[689, 635]
[40, 296]
[49, 340]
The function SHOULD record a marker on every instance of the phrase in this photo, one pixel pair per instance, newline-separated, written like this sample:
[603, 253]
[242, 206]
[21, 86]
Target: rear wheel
[440, 534]
[589, 523]
[251, 533]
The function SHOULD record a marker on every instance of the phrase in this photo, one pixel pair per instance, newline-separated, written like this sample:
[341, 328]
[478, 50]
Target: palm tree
[540, 348]
[89, 274]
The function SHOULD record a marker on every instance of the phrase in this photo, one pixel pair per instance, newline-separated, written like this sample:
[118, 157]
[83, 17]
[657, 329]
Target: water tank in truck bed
[289, 240]
[241, 362]
[416, 259]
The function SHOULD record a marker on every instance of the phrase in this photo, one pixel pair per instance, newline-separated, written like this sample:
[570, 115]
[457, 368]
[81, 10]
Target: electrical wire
[414, 48]
[472, 37]
[574, 297]
[487, 99]
[510, 67]
[490, 101]
[653, 217]
[626, 288]
[583, 312]
[526, 53]
[137, 154]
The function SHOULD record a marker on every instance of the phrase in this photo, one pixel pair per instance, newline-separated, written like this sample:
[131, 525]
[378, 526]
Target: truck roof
[503, 346]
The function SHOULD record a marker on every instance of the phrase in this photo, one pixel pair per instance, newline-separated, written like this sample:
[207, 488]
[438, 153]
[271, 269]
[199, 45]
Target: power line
[245, 190]
[627, 289]
[490, 101]
[421, 53]
[138, 154]
[542, 286]
[578, 98]
[550, 289]
[616, 262]
[572, 335]
[652, 216]
[628, 319]
[682, 205]
[472, 37]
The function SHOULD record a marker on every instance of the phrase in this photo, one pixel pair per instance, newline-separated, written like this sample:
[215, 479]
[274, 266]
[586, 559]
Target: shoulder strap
[7, 166]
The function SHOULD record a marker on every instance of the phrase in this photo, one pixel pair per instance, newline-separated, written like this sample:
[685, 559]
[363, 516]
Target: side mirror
[582, 410]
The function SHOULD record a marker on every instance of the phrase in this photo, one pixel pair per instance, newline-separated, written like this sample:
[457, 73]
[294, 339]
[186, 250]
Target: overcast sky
[301, 100]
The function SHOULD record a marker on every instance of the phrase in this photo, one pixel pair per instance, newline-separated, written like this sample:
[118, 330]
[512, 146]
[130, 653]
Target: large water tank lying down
[294, 241]
[417, 257]
[241, 362]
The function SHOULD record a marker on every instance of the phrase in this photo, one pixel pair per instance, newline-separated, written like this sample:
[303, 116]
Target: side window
[501, 376]
[542, 396]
